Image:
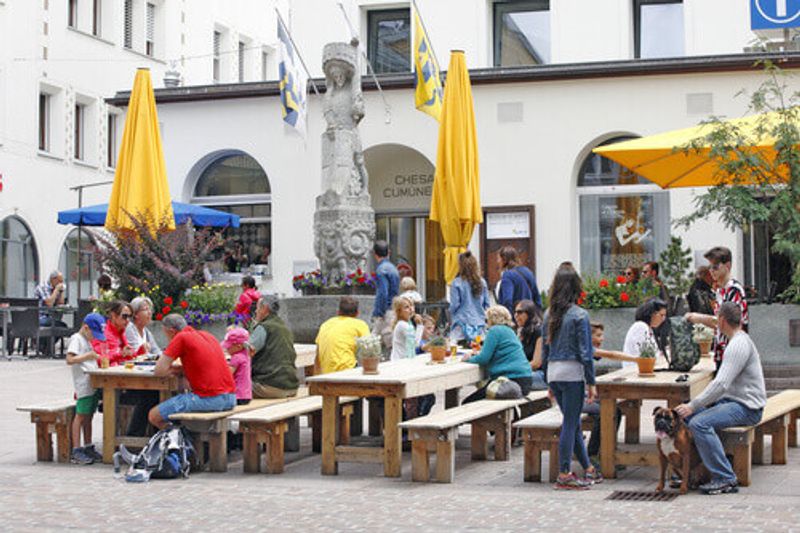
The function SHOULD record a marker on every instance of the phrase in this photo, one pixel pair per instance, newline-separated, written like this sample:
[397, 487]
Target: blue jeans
[190, 402]
[569, 395]
[539, 383]
[704, 424]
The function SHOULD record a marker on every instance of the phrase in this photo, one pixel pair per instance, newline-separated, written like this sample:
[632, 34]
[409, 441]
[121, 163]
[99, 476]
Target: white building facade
[59, 61]
[551, 81]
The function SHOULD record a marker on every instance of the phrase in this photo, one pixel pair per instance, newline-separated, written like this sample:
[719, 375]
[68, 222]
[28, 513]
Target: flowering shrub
[199, 318]
[309, 280]
[601, 292]
[215, 298]
[359, 278]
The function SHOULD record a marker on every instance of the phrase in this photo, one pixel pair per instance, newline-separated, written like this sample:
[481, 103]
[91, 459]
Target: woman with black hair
[528, 319]
[649, 316]
[569, 366]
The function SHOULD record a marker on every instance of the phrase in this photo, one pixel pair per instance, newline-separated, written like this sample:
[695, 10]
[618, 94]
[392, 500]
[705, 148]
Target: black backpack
[684, 352]
[167, 455]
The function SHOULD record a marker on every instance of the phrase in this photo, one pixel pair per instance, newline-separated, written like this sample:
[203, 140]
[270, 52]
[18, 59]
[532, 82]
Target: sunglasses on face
[519, 312]
[126, 316]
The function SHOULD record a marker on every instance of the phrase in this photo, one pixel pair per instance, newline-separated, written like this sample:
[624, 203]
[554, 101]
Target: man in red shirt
[204, 366]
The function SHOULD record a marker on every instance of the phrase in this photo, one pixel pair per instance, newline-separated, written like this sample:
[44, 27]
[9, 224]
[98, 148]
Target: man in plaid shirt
[727, 290]
[50, 294]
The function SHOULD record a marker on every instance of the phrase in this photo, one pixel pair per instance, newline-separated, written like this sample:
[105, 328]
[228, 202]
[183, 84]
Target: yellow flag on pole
[428, 82]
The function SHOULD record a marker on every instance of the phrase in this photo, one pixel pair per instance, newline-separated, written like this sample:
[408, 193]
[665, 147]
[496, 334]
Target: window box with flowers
[313, 283]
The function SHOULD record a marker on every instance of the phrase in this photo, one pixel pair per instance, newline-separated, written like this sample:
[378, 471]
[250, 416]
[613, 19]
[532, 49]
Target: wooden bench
[268, 425]
[540, 433]
[438, 432]
[212, 428]
[50, 418]
[746, 443]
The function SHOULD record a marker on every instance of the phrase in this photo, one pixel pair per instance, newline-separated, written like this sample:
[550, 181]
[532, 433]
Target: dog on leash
[676, 449]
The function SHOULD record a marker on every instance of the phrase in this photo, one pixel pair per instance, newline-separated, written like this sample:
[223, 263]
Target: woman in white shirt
[649, 316]
[139, 337]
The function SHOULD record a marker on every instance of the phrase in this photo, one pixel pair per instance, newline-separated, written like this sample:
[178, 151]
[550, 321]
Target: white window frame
[150, 29]
[72, 14]
[79, 132]
[113, 116]
[128, 24]
[44, 127]
[216, 45]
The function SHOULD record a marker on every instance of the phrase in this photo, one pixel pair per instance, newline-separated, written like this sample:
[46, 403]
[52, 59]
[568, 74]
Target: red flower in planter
[362, 279]
[583, 295]
[184, 304]
[603, 283]
[159, 316]
[580, 301]
[166, 309]
[624, 297]
[168, 300]
[620, 279]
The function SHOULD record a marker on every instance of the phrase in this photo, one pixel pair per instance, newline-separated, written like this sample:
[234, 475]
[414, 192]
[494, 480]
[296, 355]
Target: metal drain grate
[634, 496]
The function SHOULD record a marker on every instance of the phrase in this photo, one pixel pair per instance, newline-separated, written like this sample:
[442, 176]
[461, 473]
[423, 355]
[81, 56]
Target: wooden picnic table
[626, 384]
[117, 378]
[395, 381]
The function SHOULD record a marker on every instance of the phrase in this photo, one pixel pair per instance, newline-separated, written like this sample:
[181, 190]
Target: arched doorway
[400, 184]
[624, 218]
[68, 261]
[233, 181]
[19, 259]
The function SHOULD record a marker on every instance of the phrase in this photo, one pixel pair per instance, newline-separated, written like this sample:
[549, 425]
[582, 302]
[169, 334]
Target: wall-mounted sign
[515, 225]
[774, 14]
[400, 179]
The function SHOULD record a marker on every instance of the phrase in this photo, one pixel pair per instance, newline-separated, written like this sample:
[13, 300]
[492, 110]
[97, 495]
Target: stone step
[781, 371]
[779, 384]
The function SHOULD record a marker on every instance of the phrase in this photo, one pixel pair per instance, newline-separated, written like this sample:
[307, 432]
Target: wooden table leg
[632, 410]
[451, 398]
[330, 412]
[109, 423]
[44, 442]
[608, 436]
[251, 452]
[392, 448]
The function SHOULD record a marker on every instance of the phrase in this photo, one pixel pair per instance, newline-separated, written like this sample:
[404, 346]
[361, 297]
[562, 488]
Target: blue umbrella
[95, 215]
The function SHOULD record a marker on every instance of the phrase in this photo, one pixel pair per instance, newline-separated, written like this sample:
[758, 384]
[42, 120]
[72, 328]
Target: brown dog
[676, 448]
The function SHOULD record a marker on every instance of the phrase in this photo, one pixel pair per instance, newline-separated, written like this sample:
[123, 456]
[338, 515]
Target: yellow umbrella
[140, 182]
[456, 203]
[656, 158]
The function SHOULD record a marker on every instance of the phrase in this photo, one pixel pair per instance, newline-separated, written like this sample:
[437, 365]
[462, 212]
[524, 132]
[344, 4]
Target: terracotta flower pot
[646, 366]
[438, 354]
[705, 348]
[370, 364]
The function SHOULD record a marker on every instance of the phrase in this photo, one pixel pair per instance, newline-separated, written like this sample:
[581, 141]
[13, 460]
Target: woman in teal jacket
[502, 354]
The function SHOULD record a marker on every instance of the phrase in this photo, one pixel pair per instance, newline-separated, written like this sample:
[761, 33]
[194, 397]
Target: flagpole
[425, 29]
[370, 70]
[297, 51]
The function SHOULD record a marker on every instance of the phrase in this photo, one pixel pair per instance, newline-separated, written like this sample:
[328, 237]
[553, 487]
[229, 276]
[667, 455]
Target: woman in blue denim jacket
[469, 299]
[569, 368]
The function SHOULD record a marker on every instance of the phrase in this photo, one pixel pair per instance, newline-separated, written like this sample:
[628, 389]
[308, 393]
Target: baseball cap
[97, 324]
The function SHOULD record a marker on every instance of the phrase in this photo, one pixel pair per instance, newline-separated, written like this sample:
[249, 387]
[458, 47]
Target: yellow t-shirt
[336, 342]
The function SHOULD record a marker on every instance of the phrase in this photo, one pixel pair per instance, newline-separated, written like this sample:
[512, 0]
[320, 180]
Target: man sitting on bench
[204, 366]
[736, 397]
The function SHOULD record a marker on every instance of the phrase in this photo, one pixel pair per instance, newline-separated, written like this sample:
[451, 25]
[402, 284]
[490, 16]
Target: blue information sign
[774, 14]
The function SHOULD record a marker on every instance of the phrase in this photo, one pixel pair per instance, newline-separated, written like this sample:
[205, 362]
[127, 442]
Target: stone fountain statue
[344, 222]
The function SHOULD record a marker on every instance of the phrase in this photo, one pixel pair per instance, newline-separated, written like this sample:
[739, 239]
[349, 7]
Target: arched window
[236, 183]
[624, 218]
[19, 260]
[68, 265]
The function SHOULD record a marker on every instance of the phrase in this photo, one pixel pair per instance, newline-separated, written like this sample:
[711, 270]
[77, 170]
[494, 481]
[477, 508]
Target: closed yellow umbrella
[456, 202]
[656, 158]
[140, 181]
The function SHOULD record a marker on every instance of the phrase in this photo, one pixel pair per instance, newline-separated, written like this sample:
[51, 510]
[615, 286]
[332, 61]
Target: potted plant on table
[647, 359]
[368, 351]
[703, 336]
[437, 346]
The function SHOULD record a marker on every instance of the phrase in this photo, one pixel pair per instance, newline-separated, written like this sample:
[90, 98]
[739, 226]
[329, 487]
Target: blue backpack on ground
[167, 455]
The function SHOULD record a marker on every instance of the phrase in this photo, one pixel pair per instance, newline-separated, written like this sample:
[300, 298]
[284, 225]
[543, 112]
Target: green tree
[674, 264]
[758, 185]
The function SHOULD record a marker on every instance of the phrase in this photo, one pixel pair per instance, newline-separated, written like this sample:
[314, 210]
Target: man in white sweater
[736, 397]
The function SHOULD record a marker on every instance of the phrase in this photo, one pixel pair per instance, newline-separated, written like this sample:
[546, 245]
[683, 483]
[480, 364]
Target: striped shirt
[731, 292]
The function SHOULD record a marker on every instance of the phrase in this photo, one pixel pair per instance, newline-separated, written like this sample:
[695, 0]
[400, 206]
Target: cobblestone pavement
[484, 497]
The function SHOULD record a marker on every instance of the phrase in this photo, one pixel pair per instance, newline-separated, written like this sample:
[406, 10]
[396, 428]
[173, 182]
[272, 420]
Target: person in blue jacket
[469, 299]
[568, 364]
[517, 282]
[501, 354]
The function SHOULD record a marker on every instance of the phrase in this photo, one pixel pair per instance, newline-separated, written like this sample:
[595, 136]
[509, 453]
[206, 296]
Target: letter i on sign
[780, 7]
